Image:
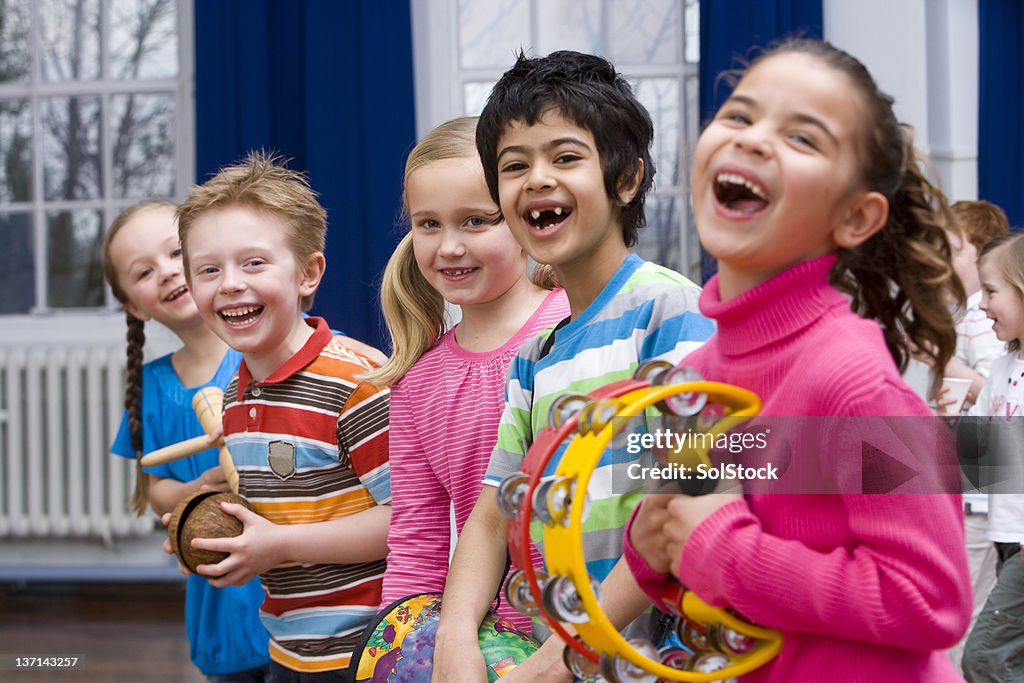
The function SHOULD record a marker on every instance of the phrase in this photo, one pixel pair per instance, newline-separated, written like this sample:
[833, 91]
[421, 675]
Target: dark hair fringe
[587, 90]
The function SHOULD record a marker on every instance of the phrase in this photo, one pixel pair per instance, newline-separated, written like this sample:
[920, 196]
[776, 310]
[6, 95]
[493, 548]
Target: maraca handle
[176, 451]
[208, 404]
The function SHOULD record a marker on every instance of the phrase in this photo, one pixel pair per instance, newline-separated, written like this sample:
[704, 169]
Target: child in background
[448, 388]
[309, 440]
[142, 264]
[976, 344]
[808, 192]
[995, 646]
[565, 148]
[977, 347]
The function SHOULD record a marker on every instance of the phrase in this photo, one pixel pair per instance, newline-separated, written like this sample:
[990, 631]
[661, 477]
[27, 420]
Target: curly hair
[981, 221]
[902, 276]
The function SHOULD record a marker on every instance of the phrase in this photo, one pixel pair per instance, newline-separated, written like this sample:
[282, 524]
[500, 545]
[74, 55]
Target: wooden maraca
[208, 404]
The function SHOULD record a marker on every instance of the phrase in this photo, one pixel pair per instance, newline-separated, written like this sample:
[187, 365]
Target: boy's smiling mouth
[545, 218]
[739, 194]
[240, 315]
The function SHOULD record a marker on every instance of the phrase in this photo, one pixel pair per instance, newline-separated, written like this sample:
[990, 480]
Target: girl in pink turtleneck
[807, 191]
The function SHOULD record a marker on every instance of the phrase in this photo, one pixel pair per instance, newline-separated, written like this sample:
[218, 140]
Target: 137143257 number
[38, 662]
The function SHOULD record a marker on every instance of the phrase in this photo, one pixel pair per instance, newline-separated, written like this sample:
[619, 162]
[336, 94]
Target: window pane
[143, 39]
[73, 251]
[661, 97]
[692, 111]
[143, 146]
[571, 25]
[14, 40]
[15, 151]
[693, 31]
[650, 31]
[71, 148]
[661, 240]
[17, 264]
[492, 31]
[476, 97]
[70, 36]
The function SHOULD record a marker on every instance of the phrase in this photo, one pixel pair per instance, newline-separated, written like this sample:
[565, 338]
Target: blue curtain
[330, 85]
[1001, 106]
[728, 29]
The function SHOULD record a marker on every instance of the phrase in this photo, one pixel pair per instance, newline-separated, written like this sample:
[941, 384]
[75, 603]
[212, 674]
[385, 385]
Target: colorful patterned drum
[400, 644]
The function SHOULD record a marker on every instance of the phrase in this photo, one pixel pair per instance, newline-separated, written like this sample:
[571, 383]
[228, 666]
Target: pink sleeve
[420, 533]
[898, 577]
[652, 583]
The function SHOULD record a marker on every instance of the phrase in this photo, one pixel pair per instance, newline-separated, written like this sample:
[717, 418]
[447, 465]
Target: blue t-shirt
[225, 634]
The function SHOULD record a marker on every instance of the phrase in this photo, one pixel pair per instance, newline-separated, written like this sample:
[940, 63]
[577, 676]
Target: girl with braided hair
[833, 267]
[142, 263]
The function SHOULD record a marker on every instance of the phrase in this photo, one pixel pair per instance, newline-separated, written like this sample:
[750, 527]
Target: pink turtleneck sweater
[864, 588]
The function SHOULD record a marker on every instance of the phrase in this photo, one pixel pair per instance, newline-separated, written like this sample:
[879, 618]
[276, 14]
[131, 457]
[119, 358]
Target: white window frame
[440, 82]
[51, 325]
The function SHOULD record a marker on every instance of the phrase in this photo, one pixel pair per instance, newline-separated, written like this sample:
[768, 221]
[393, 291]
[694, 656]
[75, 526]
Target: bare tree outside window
[89, 97]
[653, 42]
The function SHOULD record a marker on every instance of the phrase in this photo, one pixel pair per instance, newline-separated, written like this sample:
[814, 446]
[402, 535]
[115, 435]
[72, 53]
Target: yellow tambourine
[720, 644]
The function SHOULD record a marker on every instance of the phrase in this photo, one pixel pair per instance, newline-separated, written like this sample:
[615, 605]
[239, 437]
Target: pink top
[444, 423]
[863, 587]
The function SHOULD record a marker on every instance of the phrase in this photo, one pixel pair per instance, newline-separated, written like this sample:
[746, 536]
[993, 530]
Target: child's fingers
[216, 436]
[244, 514]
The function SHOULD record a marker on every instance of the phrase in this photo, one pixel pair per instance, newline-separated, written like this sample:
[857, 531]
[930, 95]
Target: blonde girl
[448, 386]
[994, 646]
[833, 264]
[142, 263]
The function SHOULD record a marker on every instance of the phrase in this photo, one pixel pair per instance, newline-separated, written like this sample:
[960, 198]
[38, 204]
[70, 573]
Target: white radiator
[59, 410]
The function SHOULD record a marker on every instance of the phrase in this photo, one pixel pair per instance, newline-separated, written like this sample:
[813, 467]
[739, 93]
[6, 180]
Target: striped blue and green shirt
[645, 312]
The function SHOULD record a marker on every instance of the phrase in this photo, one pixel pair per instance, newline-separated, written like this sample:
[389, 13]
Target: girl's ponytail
[903, 276]
[136, 337]
[413, 311]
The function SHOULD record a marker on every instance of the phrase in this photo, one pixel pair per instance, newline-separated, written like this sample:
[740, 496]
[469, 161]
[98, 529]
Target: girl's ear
[865, 216]
[312, 273]
[629, 185]
[135, 311]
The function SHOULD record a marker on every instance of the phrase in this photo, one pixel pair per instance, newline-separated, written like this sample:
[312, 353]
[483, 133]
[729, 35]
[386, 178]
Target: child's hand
[943, 401]
[165, 519]
[250, 554]
[646, 533]
[213, 479]
[465, 666]
[216, 437]
[685, 513]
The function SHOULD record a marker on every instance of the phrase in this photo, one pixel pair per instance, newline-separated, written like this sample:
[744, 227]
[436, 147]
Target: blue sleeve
[123, 441]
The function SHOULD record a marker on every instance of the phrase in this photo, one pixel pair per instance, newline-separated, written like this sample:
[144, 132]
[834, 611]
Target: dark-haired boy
[565, 148]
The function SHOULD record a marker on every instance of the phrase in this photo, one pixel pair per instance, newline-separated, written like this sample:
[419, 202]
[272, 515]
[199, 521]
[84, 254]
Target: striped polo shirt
[645, 311]
[310, 443]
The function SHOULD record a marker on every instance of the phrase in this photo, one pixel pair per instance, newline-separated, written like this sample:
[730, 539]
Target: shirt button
[252, 413]
[256, 391]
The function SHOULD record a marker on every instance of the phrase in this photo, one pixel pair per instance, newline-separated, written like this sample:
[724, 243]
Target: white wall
[925, 54]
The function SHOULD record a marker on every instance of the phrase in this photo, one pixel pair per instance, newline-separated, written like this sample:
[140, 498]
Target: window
[95, 114]
[654, 43]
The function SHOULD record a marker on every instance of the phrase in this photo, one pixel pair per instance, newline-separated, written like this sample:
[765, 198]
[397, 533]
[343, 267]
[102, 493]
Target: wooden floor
[121, 632]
